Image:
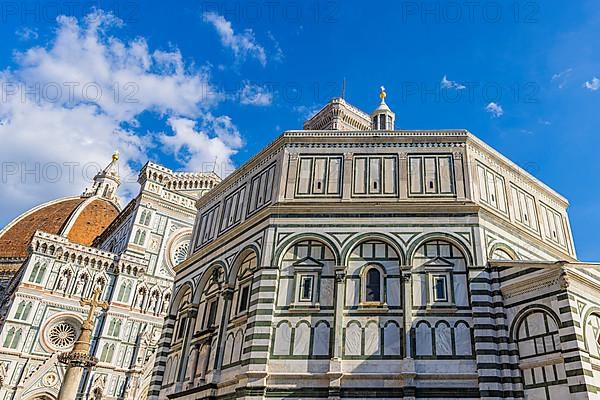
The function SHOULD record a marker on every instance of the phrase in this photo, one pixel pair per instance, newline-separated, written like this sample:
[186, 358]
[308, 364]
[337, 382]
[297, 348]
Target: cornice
[374, 134]
[548, 277]
[572, 274]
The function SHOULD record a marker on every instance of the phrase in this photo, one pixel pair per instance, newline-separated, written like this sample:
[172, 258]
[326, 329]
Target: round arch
[176, 300]
[206, 275]
[365, 237]
[590, 312]
[239, 258]
[288, 243]
[382, 274]
[452, 239]
[520, 317]
[503, 247]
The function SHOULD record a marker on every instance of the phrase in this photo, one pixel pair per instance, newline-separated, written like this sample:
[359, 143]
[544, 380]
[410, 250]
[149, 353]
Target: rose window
[180, 253]
[62, 335]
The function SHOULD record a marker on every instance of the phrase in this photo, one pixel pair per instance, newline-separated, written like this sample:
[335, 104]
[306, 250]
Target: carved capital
[564, 281]
[227, 293]
[192, 313]
[340, 276]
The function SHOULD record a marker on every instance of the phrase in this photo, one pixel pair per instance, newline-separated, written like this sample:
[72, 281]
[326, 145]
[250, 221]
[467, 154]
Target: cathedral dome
[80, 219]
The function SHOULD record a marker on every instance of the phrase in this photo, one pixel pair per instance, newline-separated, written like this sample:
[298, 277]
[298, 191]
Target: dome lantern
[107, 181]
[383, 118]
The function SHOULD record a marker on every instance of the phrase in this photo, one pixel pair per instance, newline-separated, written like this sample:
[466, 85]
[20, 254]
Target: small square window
[306, 287]
[244, 299]
[440, 289]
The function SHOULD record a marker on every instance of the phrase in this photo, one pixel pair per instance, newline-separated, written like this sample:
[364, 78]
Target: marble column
[407, 290]
[80, 358]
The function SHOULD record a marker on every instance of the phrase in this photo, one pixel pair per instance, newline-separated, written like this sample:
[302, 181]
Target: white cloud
[279, 56]
[242, 44]
[25, 33]
[494, 109]
[544, 122]
[131, 78]
[256, 95]
[448, 84]
[592, 85]
[45, 129]
[562, 77]
[307, 112]
[197, 149]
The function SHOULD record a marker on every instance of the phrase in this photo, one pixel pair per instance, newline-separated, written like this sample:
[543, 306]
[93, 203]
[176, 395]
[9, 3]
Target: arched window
[13, 338]
[367, 280]
[304, 263]
[37, 274]
[147, 218]
[20, 308]
[444, 282]
[210, 300]
[373, 285]
[592, 335]
[140, 237]
[537, 335]
[114, 328]
[23, 310]
[127, 293]
[182, 319]
[181, 326]
[27, 310]
[107, 353]
[9, 337]
[34, 272]
[542, 365]
[124, 292]
[244, 282]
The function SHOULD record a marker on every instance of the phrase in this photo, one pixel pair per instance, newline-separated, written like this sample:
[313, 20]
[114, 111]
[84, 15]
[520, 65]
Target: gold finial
[115, 155]
[382, 94]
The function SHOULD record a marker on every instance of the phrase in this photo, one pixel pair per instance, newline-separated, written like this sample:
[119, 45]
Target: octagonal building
[352, 260]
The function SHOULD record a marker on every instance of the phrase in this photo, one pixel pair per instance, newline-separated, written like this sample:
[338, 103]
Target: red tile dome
[80, 219]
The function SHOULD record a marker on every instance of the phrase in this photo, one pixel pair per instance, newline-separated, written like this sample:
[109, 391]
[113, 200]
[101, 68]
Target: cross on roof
[382, 94]
[94, 302]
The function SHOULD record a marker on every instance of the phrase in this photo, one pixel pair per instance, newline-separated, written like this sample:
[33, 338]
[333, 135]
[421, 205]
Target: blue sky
[189, 82]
